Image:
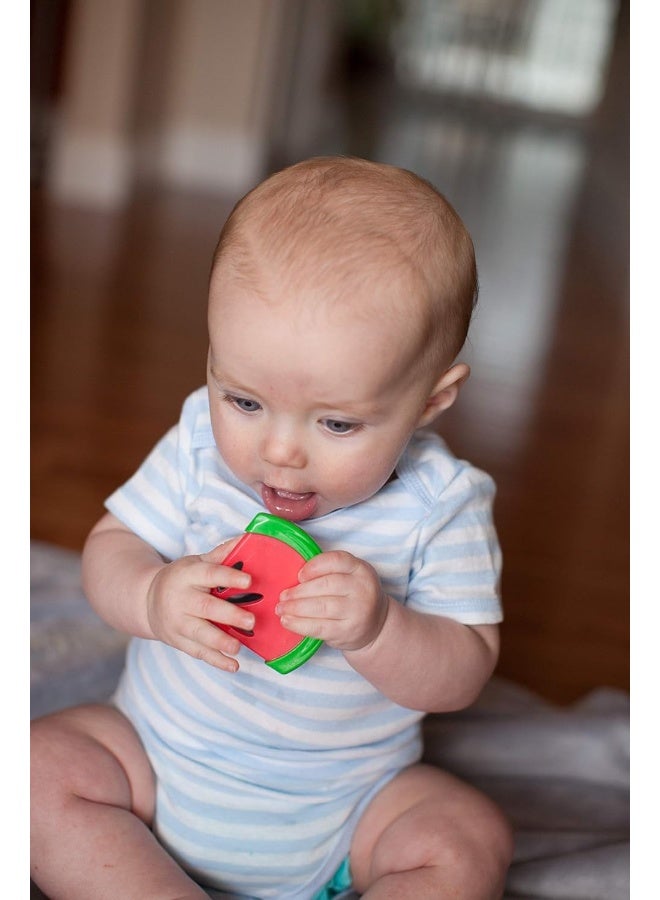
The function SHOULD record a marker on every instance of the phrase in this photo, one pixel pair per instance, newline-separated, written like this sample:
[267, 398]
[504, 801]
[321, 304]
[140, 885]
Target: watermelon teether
[273, 551]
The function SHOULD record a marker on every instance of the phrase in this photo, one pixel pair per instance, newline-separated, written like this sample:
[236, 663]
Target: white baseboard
[93, 170]
[212, 160]
[98, 170]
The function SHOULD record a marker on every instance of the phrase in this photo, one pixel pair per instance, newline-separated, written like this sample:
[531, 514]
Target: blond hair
[345, 221]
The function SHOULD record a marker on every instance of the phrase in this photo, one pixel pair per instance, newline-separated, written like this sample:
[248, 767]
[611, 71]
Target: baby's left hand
[339, 599]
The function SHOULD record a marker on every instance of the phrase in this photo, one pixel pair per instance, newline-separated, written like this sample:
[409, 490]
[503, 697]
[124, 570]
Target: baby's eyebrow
[352, 411]
[215, 371]
[225, 380]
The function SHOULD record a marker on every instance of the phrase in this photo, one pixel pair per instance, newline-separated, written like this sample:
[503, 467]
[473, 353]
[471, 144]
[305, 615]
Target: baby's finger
[205, 641]
[209, 575]
[305, 627]
[211, 656]
[333, 561]
[326, 629]
[330, 585]
[214, 609]
[207, 634]
[219, 553]
[330, 608]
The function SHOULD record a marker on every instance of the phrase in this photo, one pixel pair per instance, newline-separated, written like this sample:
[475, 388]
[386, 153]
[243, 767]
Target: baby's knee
[462, 840]
[54, 779]
[501, 838]
[87, 753]
[478, 850]
[61, 763]
[52, 757]
[490, 842]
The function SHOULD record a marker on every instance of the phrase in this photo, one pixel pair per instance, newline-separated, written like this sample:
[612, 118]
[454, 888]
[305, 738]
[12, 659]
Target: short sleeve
[152, 503]
[458, 566]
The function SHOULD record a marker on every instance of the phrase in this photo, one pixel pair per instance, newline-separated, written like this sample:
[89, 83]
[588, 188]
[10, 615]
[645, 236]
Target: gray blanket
[560, 774]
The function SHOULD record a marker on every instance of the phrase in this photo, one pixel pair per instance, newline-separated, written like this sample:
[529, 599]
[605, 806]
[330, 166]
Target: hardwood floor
[118, 340]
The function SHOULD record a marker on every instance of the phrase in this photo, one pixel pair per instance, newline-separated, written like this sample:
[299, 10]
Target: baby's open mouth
[289, 505]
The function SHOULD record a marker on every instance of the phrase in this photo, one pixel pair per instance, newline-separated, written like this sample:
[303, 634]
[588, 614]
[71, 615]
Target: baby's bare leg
[429, 835]
[93, 796]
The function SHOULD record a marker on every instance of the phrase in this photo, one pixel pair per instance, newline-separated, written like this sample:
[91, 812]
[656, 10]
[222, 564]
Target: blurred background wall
[150, 118]
[209, 93]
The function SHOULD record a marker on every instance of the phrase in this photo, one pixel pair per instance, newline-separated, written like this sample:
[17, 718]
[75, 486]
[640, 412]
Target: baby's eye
[243, 403]
[336, 426]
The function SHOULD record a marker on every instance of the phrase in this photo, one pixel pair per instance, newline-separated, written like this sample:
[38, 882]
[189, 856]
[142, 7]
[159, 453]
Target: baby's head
[341, 292]
[363, 238]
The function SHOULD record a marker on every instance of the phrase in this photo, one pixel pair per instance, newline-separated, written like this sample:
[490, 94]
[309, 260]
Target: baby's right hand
[180, 605]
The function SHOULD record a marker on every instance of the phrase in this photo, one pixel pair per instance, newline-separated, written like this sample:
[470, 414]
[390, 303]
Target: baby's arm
[428, 662]
[134, 590]
[419, 660]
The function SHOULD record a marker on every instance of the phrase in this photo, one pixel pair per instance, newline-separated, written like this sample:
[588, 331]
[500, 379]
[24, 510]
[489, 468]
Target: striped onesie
[262, 777]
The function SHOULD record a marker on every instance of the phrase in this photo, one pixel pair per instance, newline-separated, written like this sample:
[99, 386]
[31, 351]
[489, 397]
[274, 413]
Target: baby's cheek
[353, 484]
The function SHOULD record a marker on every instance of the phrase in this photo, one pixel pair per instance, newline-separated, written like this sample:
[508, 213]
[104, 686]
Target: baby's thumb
[219, 553]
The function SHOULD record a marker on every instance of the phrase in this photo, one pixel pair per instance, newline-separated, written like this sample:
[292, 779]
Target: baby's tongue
[289, 505]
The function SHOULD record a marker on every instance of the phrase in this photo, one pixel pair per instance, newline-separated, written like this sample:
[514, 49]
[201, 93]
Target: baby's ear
[444, 392]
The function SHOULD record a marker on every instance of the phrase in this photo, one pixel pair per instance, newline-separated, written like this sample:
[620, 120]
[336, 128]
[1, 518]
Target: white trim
[191, 157]
[98, 170]
[95, 170]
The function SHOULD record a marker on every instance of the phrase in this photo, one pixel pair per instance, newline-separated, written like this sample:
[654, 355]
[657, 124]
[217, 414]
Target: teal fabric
[341, 881]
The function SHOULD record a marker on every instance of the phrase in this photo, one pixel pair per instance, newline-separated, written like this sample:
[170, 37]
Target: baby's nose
[284, 448]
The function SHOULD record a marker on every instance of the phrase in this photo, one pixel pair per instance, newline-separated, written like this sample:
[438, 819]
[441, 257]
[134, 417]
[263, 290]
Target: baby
[340, 295]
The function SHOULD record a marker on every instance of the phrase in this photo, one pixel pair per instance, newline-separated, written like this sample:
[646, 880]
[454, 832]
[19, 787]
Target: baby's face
[311, 410]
